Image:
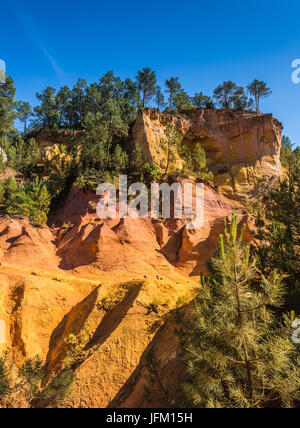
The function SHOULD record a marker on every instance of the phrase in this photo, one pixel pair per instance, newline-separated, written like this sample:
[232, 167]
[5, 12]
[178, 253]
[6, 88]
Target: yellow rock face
[115, 283]
[118, 320]
[149, 134]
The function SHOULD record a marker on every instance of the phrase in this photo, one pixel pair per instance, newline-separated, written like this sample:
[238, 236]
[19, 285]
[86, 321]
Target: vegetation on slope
[239, 352]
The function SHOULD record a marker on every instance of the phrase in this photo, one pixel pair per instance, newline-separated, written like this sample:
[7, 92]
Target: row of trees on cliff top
[120, 101]
[102, 152]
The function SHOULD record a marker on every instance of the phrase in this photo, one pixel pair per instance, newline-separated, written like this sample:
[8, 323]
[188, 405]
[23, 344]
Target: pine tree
[195, 161]
[159, 98]
[7, 107]
[173, 88]
[136, 161]
[198, 164]
[94, 142]
[24, 113]
[119, 160]
[230, 96]
[62, 101]
[130, 92]
[238, 354]
[259, 90]
[110, 87]
[146, 83]
[182, 101]
[10, 187]
[241, 101]
[46, 112]
[78, 104]
[278, 235]
[289, 158]
[30, 200]
[31, 385]
[203, 101]
[116, 127]
[26, 156]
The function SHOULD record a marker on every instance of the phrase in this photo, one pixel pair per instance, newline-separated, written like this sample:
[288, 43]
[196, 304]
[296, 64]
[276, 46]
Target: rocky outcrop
[22, 244]
[243, 149]
[49, 138]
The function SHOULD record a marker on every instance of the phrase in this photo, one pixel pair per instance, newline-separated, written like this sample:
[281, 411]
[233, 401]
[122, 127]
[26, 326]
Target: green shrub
[29, 386]
[22, 155]
[31, 200]
[152, 171]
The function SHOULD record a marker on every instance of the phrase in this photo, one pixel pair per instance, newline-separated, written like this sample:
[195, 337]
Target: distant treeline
[123, 99]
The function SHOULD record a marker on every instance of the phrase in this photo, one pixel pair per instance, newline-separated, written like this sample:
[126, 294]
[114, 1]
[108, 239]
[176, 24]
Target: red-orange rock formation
[120, 279]
[243, 149]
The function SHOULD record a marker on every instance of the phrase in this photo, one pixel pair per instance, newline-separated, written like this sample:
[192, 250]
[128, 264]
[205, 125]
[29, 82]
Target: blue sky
[203, 43]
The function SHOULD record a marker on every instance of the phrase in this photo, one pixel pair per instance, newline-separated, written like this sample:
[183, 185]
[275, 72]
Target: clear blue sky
[203, 43]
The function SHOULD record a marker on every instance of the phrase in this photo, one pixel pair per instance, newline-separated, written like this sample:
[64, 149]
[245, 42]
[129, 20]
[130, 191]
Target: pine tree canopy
[238, 354]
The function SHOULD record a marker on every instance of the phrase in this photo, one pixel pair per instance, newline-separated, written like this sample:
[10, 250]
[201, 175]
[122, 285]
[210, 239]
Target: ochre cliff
[128, 281]
[242, 149]
[117, 279]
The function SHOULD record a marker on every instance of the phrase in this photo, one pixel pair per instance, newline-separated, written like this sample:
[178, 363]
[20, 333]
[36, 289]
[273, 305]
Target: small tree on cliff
[238, 355]
[199, 165]
[173, 87]
[230, 96]
[203, 101]
[195, 161]
[182, 101]
[259, 90]
[159, 98]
